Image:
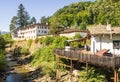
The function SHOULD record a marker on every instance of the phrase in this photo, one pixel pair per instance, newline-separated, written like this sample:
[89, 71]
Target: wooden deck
[104, 61]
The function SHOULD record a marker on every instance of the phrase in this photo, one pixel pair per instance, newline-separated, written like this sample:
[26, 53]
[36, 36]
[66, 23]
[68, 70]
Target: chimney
[108, 27]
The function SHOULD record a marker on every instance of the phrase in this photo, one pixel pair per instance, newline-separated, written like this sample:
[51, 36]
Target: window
[116, 44]
[45, 31]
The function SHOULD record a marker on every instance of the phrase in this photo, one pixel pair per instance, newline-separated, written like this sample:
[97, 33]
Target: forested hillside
[81, 14]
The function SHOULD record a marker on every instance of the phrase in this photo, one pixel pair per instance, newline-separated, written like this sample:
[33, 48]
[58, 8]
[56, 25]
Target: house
[70, 33]
[31, 31]
[105, 37]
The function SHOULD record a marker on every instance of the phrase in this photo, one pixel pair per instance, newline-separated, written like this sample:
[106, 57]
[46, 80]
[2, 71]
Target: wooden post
[86, 71]
[115, 75]
[58, 75]
[58, 63]
[71, 66]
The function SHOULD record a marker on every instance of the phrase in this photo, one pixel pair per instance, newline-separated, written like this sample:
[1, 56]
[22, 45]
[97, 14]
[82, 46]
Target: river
[15, 71]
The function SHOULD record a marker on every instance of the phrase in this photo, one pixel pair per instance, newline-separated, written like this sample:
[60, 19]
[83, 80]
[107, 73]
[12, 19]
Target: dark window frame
[116, 44]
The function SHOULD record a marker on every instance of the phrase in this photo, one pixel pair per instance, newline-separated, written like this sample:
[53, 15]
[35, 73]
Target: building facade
[70, 33]
[105, 37]
[32, 31]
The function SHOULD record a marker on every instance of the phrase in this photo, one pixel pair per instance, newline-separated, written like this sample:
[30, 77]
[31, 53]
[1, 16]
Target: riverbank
[15, 72]
[20, 68]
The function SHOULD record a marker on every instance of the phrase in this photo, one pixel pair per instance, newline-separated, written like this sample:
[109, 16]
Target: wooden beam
[60, 64]
[86, 71]
[71, 65]
[66, 57]
[115, 75]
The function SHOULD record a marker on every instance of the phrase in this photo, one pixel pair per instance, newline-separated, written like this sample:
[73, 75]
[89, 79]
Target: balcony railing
[107, 61]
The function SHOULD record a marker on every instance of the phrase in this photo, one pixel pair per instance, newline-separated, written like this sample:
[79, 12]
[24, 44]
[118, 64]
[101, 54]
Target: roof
[103, 29]
[71, 30]
[33, 26]
[76, 40]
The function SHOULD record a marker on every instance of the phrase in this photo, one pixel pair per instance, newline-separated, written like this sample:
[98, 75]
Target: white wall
[41, 30]
[33, 32]
[104, 43]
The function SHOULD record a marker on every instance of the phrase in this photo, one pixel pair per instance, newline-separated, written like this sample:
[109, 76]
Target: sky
[36, 8]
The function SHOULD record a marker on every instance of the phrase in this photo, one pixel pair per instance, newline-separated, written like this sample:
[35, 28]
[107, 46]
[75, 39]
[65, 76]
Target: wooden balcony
[104, 61]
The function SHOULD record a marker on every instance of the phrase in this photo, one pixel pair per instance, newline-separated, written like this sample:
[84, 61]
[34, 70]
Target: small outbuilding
[105, 37]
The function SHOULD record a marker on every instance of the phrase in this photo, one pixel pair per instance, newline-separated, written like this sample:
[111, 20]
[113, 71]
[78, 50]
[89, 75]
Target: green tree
[33, 20]
[13, 24]
[44, 19]
[48, 40]
[77, 36]
[23, 16]
[2, 43]
[82, 26]
[87, 13]
[84, 15]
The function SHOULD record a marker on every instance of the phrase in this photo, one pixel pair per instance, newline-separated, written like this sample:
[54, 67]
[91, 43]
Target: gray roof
[102, 29]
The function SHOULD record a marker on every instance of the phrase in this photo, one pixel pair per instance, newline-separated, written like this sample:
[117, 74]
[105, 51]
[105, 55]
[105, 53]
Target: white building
[105, 37]
[70, 33]
[32, 31]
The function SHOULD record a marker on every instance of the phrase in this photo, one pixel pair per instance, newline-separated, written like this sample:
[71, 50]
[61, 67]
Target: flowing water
[16, 72]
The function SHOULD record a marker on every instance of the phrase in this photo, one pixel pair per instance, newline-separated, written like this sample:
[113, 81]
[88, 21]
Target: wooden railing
[107, 61]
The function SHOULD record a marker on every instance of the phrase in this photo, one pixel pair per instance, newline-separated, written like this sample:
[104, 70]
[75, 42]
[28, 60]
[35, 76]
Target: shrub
[82, 26]
[29, 43]
[48, 40]
[59, 42]
[48, 69]
[93, 75]
[2, 42]
[77, 36]
[2, 60]
[37, 40]
[24, 51]
[41, 40]
[44, 57]
[17, 50]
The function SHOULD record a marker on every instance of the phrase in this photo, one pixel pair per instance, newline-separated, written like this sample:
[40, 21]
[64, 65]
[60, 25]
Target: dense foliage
[46, 53]
[2, 43]
[81, 14]
[2, 60]
[44, 57]
[94, 75]
[2, 53]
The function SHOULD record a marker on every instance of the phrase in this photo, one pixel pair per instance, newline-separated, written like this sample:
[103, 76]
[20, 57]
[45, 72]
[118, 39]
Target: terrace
[89, 58]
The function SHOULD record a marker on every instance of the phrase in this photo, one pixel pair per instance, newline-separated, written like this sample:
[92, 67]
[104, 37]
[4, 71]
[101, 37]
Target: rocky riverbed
[19, 70]
[15, 71]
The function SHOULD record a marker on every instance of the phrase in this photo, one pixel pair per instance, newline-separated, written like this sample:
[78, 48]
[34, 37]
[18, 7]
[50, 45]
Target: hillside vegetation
[81, 14]
[4, 40]
[43, 57]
